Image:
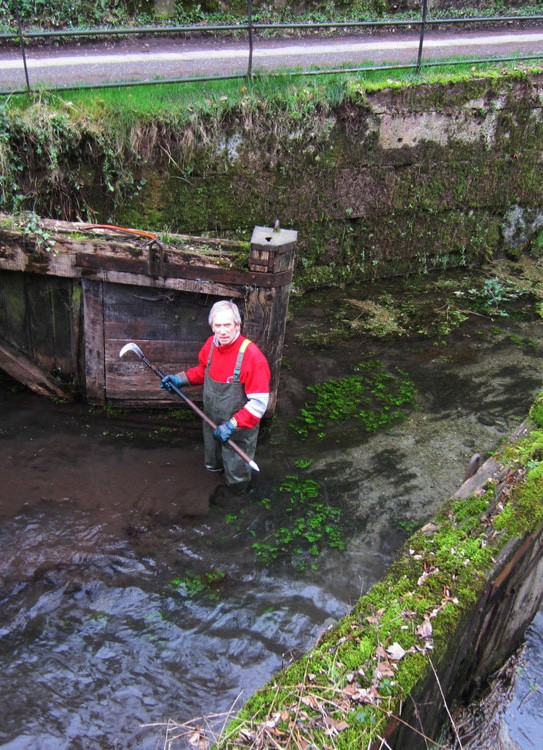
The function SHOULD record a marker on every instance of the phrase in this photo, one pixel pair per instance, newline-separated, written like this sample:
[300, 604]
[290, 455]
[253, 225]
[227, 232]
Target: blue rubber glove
[178, 380]
[224, 431]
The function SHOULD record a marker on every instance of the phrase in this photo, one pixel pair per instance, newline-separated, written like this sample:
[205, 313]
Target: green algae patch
[313, 523]
[371, 397]
[349, 691]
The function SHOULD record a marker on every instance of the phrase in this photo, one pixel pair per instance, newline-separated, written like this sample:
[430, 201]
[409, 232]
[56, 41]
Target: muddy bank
[78, 458]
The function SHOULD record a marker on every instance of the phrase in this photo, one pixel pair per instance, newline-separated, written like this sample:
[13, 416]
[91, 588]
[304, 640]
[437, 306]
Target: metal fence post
[250, 23]
[22, 43]
[422, 30]
[253, 27]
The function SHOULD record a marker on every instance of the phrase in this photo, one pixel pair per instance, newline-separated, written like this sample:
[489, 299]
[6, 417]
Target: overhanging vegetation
[380, 176]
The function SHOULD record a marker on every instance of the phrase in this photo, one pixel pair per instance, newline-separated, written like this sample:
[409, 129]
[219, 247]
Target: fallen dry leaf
[396, 652]
[385, 669]
[334, 727]
[197, 739]
[273, 722]
[424, 630]
[427, 573]
[360, 695]
[311, 701]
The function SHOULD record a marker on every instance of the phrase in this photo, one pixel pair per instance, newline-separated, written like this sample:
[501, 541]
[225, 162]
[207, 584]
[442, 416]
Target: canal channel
[133, 612]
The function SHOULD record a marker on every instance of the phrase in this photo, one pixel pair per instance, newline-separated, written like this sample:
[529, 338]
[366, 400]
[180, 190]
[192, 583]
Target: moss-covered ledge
[452, 607]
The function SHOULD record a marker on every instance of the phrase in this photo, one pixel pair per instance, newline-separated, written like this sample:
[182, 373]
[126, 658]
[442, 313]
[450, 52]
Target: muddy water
[105, 532]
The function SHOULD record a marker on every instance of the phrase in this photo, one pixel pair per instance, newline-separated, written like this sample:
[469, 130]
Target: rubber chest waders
[221, 401]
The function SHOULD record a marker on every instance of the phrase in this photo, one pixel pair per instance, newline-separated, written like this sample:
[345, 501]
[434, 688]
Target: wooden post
[93, 327]
[272, 251]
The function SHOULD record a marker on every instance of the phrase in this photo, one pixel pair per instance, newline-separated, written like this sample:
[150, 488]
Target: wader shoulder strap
[209, 355]
[239, 360]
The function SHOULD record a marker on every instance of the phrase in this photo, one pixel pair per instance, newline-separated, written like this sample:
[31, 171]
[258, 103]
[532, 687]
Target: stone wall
[402, 180]
[397, 180]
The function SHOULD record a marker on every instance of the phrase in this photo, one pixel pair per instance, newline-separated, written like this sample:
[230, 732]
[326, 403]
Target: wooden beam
[93, 317]
[22, 369]
[107, 264]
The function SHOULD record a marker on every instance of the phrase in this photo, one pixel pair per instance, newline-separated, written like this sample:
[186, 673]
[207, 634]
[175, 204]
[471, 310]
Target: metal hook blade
[131, 347]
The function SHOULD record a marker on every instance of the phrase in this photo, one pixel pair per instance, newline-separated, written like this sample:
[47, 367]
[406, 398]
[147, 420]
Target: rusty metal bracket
[156, 258]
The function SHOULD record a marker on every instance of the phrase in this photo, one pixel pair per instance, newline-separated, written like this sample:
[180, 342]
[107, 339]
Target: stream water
[129, 608]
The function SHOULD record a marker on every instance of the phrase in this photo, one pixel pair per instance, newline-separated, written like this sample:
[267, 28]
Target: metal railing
[249, 27]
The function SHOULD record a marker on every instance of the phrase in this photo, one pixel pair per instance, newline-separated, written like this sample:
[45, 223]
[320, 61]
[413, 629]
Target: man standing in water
[236, 379]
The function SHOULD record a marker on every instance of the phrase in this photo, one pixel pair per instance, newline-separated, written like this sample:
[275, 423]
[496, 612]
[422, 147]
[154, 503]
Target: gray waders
[221, 401]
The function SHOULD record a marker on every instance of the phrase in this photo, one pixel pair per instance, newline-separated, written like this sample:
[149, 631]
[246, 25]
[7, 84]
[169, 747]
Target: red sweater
[254, 375]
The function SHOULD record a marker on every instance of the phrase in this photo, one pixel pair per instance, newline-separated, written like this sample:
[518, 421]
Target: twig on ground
[446, 706]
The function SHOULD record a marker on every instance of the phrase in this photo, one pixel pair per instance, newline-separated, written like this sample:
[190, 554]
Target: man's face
[224, 328]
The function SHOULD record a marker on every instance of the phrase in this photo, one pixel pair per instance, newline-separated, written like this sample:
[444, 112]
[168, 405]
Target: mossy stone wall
[398, 180]
[402, 180]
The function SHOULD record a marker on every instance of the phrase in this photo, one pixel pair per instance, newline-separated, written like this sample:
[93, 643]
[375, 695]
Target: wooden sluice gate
[72, 294]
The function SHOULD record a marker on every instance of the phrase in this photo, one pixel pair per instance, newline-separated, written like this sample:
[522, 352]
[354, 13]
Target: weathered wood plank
[181, 270]
[77, 335]
[13, 311]
[171, 326]
[131, 377]
[200, 286]
[93, 332]
[25, 371]
[49, 321]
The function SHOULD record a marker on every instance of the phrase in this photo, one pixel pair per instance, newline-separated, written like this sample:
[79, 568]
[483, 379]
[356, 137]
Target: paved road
[146, 59]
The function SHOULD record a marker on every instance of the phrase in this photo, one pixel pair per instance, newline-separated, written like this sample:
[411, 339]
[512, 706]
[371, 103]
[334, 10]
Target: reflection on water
[102, 637]
[523, 715]
[96, 642]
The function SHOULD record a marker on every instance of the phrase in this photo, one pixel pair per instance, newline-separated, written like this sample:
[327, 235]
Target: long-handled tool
[131, 347]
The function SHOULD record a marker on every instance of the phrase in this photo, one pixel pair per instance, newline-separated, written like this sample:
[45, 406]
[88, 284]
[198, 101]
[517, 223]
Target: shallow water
[97, 636]
[103, 641]
[523, 714]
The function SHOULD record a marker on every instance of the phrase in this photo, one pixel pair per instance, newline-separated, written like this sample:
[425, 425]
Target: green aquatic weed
[311, 524]
[494, 295]
[371, 396]
[194, 584]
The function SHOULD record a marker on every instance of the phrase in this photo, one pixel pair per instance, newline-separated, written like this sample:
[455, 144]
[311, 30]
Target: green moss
[524, 511]
[467, 511]
[527, 451]
[536, 412]
[375, 657]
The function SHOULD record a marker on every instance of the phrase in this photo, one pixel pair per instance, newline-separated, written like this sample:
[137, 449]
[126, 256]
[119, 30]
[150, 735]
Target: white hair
[223, 305]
